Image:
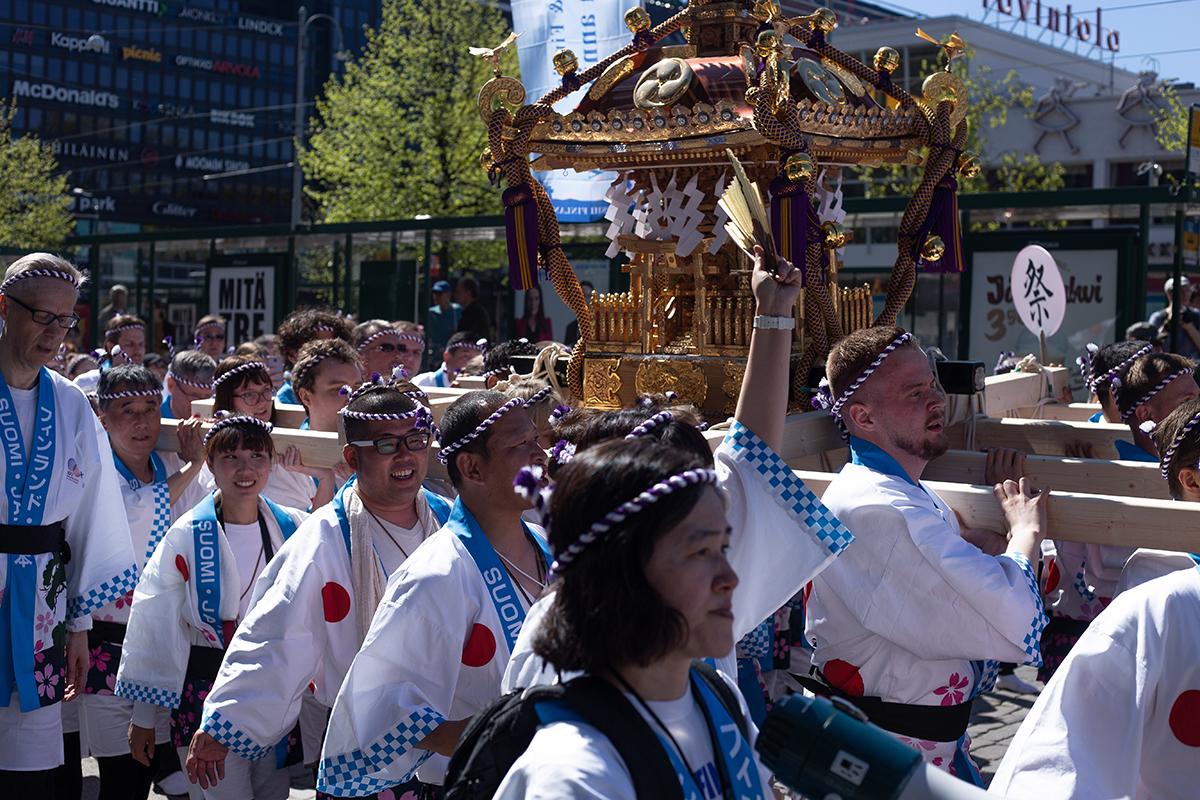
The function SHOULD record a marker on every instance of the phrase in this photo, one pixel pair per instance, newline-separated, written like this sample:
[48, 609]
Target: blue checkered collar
[873, 457]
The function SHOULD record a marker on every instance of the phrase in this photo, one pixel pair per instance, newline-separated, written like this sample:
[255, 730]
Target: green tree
[991, 99]
[33, 192]
[398, 134]
[1170, 120]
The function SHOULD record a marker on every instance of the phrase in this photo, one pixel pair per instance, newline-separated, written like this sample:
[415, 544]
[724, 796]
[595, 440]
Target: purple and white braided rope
[453, 447]
[116, 353]
[1148, 396]
[240, 369]
[1169, 453]
[169, 343]
[411, 336]
[856, 384]
[108, 396]
[377, 335]
[1112, 374]
[538, 396]
[480, 346]
[38, 272]
[129, 326]
[204, 387]
[322, 328]
[647, 427]
[498, 373]
[229, 420]
[558, 413]
[421, 414]
[621, 513]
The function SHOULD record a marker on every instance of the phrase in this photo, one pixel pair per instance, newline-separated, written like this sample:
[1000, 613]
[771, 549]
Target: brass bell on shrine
[887, 59]
[637, 19]
[486, 159]
[766, 43]
[969, 166]
[799, 167]
[933, 249]
[836, 235]
[766, 10]
[565, 61]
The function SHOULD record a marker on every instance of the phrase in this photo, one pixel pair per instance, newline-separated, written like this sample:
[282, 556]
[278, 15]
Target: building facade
[169, 114]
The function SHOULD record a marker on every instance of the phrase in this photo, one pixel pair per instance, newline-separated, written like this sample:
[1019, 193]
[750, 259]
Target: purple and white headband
[1148, 396]
[411, 336]
[204, 387]
[558, 413]
[1169, 453]
[230, 420]
[352, 393]
[129, 326]
[240, 369]
[109, 396]
[480, 346]
[647, 427]
[450, 449]
[322, 328]
[629, 508]
[856, 384]
[1112, 374]
[538, 396]
[376, 336]
[38, 272]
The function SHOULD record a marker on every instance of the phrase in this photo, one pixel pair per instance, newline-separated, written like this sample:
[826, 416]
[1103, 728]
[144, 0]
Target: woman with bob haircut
[644, 590]
[194, 591]
[242, 385]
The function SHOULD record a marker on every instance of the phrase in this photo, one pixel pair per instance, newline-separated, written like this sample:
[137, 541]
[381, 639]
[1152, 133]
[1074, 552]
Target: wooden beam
[1074, 516]
[287, 415]
[317, 448]
[804, 435]
[1021, 391]
[1043, 437]
[1093, 476]
[1065, 412]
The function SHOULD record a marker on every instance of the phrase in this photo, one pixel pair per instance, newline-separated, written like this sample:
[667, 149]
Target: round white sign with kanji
[1037, 290]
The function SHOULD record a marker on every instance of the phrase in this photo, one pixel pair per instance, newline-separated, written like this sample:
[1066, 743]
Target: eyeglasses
[43, 317]
[414, 442]
[254, 397]
[211, 337]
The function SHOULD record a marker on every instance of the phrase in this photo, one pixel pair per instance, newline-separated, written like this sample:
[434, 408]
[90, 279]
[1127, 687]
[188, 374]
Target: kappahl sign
[1084, 26]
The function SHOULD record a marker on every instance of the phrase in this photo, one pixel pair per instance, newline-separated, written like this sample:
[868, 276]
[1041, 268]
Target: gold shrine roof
[666, 105]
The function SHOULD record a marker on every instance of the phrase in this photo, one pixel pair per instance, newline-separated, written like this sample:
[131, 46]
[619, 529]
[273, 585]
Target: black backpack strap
[605, 708]
[724, 693]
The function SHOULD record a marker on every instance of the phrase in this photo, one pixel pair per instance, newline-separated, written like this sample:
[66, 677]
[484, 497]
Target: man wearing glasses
[64, 538]
[316, 598]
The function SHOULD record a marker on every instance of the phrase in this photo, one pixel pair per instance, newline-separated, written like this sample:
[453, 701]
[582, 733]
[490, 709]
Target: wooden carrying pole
[1044, 437]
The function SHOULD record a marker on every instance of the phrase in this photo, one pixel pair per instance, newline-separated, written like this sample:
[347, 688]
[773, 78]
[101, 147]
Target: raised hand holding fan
[748, 223]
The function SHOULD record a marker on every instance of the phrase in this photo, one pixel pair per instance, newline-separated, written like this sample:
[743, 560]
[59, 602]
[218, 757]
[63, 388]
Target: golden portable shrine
[795, 111]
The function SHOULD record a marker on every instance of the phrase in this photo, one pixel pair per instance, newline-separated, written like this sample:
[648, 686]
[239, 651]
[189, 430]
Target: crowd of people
[221, 617]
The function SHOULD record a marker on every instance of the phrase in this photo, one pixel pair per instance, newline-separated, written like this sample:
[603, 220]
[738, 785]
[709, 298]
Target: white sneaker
[1012, 683]
[174, 784]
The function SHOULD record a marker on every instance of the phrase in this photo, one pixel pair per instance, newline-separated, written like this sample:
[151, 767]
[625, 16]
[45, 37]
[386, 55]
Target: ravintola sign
[1086, 26]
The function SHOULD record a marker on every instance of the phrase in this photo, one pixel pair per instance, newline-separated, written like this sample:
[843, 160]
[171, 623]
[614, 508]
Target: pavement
[994, 721]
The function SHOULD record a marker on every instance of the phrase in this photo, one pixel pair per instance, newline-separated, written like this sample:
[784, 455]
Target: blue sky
[1149, 29]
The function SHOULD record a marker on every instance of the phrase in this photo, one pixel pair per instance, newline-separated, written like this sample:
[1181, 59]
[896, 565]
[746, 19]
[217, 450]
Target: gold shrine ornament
[565, 61]
[969, 166]
[933, 249]
[766, 44]
[836, 235]
[637, 19]
[825, 20]
[887, 59]
[486, 159]
[766, 10]
[945, 87]
[820, 82]
[799, 167]
[662, 84]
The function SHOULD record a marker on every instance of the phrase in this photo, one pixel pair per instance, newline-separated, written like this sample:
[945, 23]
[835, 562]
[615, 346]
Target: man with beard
[909, 623]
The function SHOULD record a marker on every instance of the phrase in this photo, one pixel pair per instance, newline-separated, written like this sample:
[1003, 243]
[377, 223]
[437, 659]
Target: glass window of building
[154, 83]
[202, 41]
[171, 37]
[137, 81]
[122, 81]
[72, 72]
[56, 14]
[230, 94]
[247, 45]
[73, 18]
[20, 64]
[34, 118]
[169, 84]
[91, 21]
[105, 75]
[54, 70]
[185, 88]
[214, 92]
[39, 13]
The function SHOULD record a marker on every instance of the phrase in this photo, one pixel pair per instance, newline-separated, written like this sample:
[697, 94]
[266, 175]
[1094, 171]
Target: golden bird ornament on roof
[492, 54]
[952, 46]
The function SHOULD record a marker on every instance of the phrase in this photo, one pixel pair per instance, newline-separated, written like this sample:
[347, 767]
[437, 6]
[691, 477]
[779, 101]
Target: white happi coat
[301, 629]
[913, 613]
[436, 651]
[104, 718]
[166, 619]
[82, 490]
[782, 536]
[1121, 716]
[1146, 564]
[1081, 579]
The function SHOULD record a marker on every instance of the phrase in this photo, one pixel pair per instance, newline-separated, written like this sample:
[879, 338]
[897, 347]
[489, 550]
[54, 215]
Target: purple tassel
[793, 219]
[521, 228]
[942, 221]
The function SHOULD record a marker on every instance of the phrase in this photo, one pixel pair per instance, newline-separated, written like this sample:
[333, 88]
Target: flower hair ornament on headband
[38, 272]
[562, 452]
[449, 449]
[240, 369]
[1169, 453]
[530, 483]
[1148, 396]
[621, 513]
[1112, 375]
[558, 413]
[226, 420]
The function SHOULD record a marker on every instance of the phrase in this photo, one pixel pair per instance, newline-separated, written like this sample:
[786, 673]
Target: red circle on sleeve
[843, 675]
[336, 601]
[181, 565]
[480, 646]
[1185, 718]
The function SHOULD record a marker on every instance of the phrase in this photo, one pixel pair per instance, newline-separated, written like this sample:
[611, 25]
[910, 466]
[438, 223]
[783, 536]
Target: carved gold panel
[732, 386]
[684, 378]
[601, 383]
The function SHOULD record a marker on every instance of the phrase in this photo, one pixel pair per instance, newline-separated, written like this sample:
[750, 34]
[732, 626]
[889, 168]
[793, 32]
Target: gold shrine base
[711, 383]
